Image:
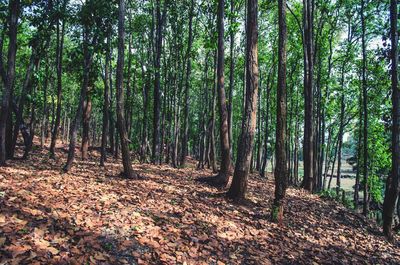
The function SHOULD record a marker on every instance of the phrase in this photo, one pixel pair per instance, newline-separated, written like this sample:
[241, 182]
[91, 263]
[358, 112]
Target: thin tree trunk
[88, 57]
[45, 108]
[308, 182]
[106, 106]
[359, 145]
[87, 110]
[259, 131]
[340, 143]
[59, 54]
[213, 159]
[266, 132]
[231, 78]
[156, 156]
[365, 111]
[185, 135]
[333, 163]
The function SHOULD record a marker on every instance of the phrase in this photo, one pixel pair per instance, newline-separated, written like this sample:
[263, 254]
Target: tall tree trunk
[59, 56]
[238, 188]
[87, 110]
[259, 130]
[204, 120]
[146, 101]
[266, 132]
[113, 135]
[128, 102]
[19, 110]
[14, 8]
[126, 158]
[392, 182]
[223, 175]
[324, 152]
[185, 135]
[88, 58]
[340, 143]
[296, 148]
[106, 106]
[281, 171]
[359, 145]
[45, 108]
[336, 143]
[231, 77]
[308, 182]
[213, 159]
[156, 156]
[365, 110]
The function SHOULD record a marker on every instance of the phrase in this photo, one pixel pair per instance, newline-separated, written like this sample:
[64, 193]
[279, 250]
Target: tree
[59, 57]
[238, 187]
[223, 175]
[365, 111]
[281, 171]
[392, 182]
[106, 105]
[126, 158]
[14, 10]
[156, 158]
[308, 43]
[185, 135]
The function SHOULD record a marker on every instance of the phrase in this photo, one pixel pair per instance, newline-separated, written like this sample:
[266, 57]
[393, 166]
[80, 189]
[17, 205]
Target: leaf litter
[91, 216]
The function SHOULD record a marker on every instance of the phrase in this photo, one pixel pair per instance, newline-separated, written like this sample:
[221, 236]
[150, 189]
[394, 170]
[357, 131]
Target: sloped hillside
[91, 216]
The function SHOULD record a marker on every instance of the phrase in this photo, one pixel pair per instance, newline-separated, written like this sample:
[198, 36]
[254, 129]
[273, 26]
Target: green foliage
[375, 186]
[328, 194]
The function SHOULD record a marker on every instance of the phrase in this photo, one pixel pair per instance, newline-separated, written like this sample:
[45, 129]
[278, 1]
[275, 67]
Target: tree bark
[340, 143]
[87, 63]
[87, 110]
[126, 159]
[365, 110]
[238, 188]
[223, 175]
[231, 78]
[308, 156]
[392, 182]
[45, 108]
[281, 170]
[106, 106]
[156, 149]
[59, 54]
[266, 132]
[185, 135]
[14, 10]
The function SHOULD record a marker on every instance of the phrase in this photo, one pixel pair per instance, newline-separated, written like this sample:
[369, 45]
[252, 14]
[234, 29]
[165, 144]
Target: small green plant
[275, 213]
[331, 195]
[328, 194]
[23, 231]
[108, 246]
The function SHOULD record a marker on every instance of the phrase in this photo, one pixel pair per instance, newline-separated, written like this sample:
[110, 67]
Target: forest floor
[92, 216]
